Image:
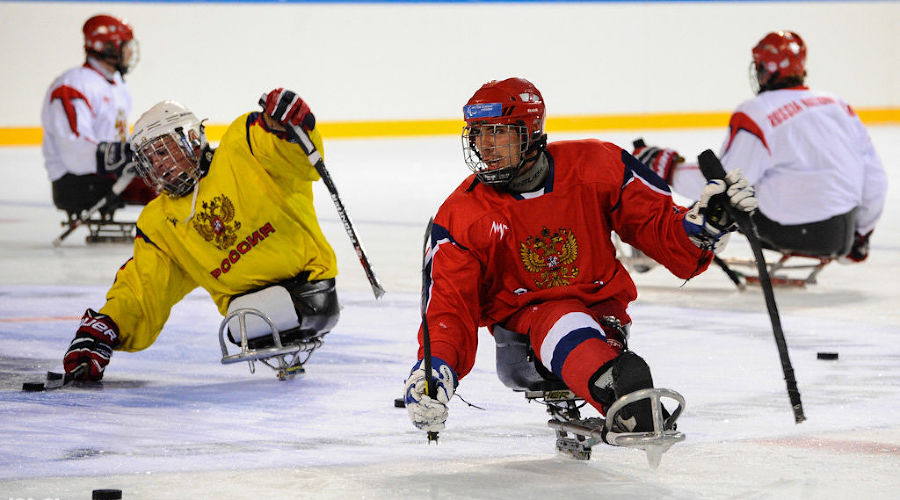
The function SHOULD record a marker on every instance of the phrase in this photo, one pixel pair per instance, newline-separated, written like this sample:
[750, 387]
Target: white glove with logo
[426, 413]
[707, 223]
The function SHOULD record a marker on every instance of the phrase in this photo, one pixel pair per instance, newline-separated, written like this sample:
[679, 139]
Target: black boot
[623, 375]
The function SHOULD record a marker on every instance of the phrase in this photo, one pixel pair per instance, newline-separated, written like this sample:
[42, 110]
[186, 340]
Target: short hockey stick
[55, 380]
[117, 188]
[712, 169]
[316, 159]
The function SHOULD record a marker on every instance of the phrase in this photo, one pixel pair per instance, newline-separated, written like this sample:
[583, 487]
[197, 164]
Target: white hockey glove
[429, 414]
[707, 223]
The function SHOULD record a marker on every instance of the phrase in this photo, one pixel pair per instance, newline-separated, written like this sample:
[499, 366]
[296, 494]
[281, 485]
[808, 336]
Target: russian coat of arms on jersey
[216, 223]
[550, 257]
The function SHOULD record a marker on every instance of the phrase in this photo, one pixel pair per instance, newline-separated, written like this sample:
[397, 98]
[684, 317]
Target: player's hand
[660, 160]
[288, 109]
[707, 223]
[114, 157]
[93, 344]
[860, 249]
[426, 413]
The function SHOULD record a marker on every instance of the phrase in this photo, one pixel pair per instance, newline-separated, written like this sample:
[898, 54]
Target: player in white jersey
[820, 184]
[85, 120]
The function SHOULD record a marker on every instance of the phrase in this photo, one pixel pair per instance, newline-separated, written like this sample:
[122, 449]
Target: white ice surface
[172, 422]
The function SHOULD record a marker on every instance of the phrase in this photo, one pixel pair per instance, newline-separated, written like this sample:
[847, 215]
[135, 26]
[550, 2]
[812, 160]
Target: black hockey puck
[33, 386]
[827, 355]
[399, 403]
[106, 495]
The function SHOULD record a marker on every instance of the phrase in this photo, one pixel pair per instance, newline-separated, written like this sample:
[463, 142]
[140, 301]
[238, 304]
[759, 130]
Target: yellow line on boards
[31, 136]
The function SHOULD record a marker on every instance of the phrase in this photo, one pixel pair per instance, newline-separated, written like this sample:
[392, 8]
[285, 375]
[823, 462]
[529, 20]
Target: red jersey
[494, 252]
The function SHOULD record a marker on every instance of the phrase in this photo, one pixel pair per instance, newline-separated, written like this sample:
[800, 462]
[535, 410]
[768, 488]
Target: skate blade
[663, 436]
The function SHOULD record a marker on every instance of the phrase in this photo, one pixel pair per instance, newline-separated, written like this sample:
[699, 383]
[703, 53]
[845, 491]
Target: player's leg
[570, 341]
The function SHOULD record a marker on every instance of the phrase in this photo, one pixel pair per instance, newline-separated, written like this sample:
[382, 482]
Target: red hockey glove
[288, 109]
[860, 249]
[660, 160]
[93, 344]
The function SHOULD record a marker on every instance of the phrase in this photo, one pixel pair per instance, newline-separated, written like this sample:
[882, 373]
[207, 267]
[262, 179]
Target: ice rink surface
[171, 422]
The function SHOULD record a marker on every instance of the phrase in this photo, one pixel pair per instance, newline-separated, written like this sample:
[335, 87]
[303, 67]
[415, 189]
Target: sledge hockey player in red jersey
[524, 244]
[85, 120]
[820, 183]
[238, 221]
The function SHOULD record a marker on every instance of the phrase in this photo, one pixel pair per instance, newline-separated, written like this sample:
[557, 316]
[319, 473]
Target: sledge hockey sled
[284, 358]
[790, 270]
[103, 229]
[518, 369]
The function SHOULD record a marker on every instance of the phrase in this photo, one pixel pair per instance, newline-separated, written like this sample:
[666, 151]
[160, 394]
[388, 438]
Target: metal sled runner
[283, 358]
[519, 370]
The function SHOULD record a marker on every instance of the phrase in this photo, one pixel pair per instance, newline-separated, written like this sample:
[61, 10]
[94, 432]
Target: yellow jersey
[253, 223]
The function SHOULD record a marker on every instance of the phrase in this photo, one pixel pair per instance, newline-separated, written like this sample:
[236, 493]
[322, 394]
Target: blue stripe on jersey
[439, 236]
[252, 117]
[140, 234]
[644, 172]
[568, 343]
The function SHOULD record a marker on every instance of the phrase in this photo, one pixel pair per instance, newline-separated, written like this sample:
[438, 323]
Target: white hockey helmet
[168, 142]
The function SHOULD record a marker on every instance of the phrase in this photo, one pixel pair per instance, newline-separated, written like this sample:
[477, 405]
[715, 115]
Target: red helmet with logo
[513, 104]
[511, 101]
[780, 56]
[112, 40]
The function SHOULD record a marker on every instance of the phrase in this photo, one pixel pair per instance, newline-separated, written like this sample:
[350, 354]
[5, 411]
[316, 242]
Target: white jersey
[807, 154]
[83, 107]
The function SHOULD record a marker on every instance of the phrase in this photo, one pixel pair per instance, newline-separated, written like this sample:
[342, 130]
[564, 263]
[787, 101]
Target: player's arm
[452, 308]
[273, 137]
[645, 216]
[70, 120]
[137, 306]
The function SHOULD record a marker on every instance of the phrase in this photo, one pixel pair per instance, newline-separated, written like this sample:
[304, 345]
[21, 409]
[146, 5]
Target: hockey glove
[288, 109]
[113, 157]
[707, 223]
[860, 249]
[660, 160]
[93, 344]
[426, 413]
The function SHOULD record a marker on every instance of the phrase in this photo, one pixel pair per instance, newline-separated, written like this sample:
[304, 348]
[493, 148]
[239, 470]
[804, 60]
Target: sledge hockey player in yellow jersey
[238, 221]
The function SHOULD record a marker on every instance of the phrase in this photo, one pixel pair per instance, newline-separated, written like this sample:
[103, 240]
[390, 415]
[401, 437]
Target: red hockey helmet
[779, 60]
[112, 40]
[514, 107]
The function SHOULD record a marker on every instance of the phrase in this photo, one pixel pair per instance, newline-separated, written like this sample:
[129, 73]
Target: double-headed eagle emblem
[550, 257]
[214, 222]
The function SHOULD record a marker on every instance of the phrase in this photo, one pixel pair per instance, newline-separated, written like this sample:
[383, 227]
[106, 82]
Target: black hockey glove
[93, 345]
[860, 249]
[288, 109]
[113, 157]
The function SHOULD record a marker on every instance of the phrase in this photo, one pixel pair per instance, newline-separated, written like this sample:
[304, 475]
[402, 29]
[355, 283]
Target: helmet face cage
[170, 163]
[504, 129]
[495, 152]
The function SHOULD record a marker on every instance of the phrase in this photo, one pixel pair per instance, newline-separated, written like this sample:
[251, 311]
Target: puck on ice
[106, 495]
[827, 355]
[33, 386]
[399, 403]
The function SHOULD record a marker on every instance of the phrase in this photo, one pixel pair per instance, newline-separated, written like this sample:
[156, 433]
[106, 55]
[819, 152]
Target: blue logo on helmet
[484, 110]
